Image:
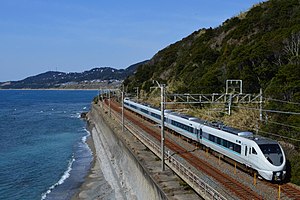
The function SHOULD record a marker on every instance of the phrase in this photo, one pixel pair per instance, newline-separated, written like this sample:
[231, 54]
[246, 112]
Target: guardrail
[194, 181]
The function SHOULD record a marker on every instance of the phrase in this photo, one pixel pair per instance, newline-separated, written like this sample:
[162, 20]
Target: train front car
[273, 161]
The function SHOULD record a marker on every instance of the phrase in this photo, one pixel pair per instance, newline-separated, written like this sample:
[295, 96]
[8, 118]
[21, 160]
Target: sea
[43, 150]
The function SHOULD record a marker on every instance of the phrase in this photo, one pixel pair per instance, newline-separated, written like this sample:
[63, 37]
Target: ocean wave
[83, 139]
[61, 180]
[77, 115]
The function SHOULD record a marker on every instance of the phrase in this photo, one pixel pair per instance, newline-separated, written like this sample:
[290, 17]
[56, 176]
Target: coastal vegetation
[261, 47]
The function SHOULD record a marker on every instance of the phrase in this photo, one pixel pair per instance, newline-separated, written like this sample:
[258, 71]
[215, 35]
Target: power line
[277, 135]
[282, 101]
[272, 122]
[273, 134]
[271, 111]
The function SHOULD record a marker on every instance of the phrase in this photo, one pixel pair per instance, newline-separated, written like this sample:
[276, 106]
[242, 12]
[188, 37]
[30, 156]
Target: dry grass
[239, 118]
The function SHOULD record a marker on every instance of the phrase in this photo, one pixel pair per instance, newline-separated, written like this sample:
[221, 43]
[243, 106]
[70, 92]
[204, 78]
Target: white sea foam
[84, 138]
[77, 115]
[61, 180]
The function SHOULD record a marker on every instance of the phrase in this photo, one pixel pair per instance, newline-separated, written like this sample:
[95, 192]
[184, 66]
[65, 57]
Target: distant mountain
[55, 79]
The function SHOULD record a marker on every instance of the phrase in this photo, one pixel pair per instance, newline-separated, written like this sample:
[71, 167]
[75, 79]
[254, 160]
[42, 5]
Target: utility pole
[99, 97]
[102, 99]
[162, 104]
[109, 103]
[137, 92]
[162, 126]
[229, 104]
[123, 108]
[260, 104]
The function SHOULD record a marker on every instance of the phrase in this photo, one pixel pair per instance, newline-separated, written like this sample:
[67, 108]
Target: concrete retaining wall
[128, 177]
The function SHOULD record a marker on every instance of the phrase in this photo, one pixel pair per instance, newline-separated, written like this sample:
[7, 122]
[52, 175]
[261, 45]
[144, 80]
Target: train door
[245, 152]
[252, 156]
[199, 134]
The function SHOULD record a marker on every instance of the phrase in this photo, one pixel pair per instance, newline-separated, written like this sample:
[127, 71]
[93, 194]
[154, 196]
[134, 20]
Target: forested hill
[261, 47]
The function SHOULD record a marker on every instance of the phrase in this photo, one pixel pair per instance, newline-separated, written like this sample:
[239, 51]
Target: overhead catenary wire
[282, 101]
[277, 135]
[266, 111]
[272, 122]
[269, 133]
[274, 134]
[271, 111]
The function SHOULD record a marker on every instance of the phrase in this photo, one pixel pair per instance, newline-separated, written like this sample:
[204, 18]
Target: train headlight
[283, 174]
[278, 174]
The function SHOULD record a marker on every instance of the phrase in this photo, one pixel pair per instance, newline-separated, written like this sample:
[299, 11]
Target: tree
[292, 48]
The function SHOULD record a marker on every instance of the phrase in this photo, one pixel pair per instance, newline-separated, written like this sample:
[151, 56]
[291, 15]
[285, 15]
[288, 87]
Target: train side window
[218, 140]
[237, 148]
[230, 145]
[225, 143]
[246, 150]
[254, 151]
[211, 138]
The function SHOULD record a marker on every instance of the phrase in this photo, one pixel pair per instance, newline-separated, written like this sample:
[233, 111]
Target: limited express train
[261, 154]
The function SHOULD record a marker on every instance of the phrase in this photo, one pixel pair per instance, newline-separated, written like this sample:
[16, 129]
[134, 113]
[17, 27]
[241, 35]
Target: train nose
[279, 176]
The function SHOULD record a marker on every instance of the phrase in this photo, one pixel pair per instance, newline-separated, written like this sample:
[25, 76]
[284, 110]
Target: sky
[77, 35]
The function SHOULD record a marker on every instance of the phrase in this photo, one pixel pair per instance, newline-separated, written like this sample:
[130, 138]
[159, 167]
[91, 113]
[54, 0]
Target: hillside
[54, 79]
[251, 47]
[260, 47]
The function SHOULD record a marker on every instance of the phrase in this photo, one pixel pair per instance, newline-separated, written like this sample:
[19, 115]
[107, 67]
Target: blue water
[43, 154]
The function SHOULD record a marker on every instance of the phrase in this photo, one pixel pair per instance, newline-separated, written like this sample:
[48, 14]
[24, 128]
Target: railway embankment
[129, 167]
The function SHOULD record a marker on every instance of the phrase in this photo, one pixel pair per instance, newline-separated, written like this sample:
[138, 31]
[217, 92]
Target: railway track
[287, 189]
[290, 191]
[235, 187]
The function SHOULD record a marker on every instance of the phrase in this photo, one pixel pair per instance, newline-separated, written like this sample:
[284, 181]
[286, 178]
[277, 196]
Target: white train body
[261, 154]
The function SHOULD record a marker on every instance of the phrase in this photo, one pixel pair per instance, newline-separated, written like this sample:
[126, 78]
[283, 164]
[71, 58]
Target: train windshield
[272, 153]
[270, 148]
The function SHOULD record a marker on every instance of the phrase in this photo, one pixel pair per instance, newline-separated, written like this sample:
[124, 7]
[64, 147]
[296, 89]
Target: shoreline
[89, 176]
[94, 183]
[55, 89]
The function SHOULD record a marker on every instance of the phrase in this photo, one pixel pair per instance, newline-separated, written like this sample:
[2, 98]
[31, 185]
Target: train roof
[147, 105]
[199, 120]
[184, 116]
[237, 131]
[217, 125]
[262, 140]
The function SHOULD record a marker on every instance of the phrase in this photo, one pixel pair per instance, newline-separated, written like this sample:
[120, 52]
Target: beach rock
[83, 115]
